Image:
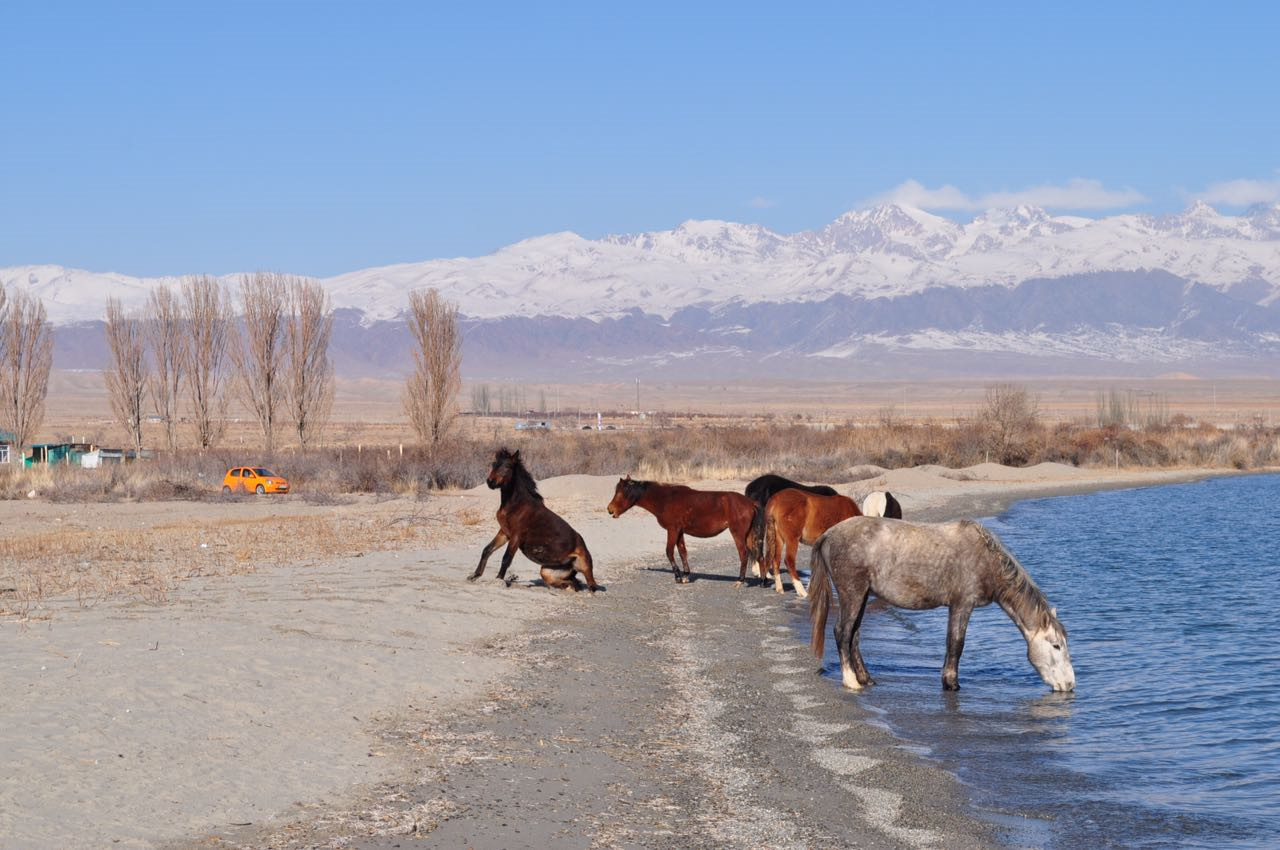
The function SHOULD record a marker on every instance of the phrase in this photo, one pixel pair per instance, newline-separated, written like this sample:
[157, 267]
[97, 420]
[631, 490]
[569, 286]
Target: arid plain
[314, 672]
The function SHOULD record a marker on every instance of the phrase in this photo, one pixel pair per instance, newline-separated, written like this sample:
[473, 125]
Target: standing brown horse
[760, 490]
[527, 524]
[793, 517]
[682, 510]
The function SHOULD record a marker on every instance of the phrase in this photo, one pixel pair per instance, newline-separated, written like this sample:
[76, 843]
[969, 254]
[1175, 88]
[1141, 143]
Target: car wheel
[226, 490]
[259, 490]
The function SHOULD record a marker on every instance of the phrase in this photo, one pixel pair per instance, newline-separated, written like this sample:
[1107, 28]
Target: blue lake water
[1171, 597]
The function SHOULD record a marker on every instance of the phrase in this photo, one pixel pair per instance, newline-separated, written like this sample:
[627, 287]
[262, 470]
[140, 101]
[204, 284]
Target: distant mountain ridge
[1020, 283]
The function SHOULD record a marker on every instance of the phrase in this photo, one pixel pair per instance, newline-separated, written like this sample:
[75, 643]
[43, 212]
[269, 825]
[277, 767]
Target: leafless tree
[431, 391]
[207, 314]
[1007, 415]
[127, 377]
[260, 354]
[26, 356]
[310, 390]
[167, 338]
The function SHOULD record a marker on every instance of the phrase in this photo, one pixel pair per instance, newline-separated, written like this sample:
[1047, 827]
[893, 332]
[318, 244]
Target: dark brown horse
[793, 517]
[761, 490]
[527, 524]
[682, 510]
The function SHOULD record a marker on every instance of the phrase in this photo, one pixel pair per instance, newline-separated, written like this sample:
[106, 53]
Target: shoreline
[475, 663]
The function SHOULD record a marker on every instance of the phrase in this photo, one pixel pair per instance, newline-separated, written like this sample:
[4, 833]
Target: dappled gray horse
[926, 565]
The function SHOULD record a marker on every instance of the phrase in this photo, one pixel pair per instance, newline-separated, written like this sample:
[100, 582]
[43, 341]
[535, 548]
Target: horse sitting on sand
[682, 510]
[926, 565]
[881, 503]
[527, 524]
[793, 517]
[760, 491]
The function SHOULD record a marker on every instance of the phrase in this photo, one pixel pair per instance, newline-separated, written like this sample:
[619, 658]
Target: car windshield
[264, 473]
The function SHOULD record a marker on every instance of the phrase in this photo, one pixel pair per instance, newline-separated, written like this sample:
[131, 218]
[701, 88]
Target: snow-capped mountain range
[727, 285]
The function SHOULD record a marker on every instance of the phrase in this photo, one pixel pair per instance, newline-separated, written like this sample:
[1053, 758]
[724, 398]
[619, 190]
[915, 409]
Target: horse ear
[516, 456]
[627, 477]
[1053, 611]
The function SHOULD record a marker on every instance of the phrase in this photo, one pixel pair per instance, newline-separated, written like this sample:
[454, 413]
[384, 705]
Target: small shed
[8, 448]
[56, 453]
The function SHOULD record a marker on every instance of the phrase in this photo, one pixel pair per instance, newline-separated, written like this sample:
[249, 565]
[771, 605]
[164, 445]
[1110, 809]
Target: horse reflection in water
[925, 565]
[527, 524]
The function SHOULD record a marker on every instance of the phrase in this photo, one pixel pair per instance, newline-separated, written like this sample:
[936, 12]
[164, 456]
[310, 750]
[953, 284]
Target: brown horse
[682, 510]
[760, 490]
[793, 517]
[527, 524]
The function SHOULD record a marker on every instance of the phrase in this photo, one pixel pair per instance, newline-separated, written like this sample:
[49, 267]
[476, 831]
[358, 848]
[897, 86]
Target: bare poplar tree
[166, 336]
[260, 354]
[431, 391]
[26, 356]
[207, 315]
[310, 390]
[1008, 413]
[127, 377]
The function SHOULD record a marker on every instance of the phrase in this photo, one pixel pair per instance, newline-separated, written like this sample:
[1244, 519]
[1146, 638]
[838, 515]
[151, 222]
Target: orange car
[253, 479]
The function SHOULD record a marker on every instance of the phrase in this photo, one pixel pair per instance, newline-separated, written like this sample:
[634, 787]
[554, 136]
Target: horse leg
[684, 555]
[853, 671]
[507, 557]
[796, 584]
[561, 575]
[744, 555]
[583, 558]
[776, 557]
[498, 540]
[957, 625]
[672, 534]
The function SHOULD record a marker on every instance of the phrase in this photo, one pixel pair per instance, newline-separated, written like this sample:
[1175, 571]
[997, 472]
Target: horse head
[1048, 652]
[503, 468]
[625, 496]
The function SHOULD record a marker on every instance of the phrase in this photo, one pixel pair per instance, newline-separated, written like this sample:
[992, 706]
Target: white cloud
[759, 203]
[1241, 193]
[1077, 194]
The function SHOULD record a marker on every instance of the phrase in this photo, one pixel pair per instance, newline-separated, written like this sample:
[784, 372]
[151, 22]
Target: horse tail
[892, 509]
[757, 535]
[819, 594]
[772, 555]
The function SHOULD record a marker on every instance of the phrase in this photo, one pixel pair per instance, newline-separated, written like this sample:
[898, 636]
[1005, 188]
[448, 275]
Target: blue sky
[317, 138]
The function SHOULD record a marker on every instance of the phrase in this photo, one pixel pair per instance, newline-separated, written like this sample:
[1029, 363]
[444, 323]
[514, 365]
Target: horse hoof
[685, 580]
[473, 577]
[737, 584]
[509, 579]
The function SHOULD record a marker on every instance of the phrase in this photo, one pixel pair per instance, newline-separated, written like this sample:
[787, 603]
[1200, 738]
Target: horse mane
[521, 478]
[635, 488]
[1017, 589]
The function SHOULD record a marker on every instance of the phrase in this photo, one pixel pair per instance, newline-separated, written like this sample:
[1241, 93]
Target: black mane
[521, 479]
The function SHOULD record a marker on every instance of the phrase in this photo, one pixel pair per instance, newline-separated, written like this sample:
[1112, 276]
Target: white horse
[926, 565]
[881, 503]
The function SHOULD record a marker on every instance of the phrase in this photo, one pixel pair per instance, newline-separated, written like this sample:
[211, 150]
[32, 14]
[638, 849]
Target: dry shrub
[327, 476]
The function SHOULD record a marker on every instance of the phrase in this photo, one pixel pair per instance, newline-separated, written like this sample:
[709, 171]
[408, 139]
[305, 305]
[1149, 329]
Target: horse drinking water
[527, 524]
[926, 565]
[682, 510]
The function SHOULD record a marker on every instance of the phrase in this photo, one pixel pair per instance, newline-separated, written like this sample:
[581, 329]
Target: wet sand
[382, 701]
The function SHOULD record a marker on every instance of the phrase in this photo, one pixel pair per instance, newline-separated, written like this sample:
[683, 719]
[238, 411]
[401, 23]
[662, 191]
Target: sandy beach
[379, 700]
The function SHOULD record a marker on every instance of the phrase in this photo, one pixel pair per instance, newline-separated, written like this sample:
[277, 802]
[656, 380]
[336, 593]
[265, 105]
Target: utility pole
[637, 396]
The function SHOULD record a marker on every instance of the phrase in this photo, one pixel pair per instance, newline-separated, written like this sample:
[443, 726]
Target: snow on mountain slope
[887, 251]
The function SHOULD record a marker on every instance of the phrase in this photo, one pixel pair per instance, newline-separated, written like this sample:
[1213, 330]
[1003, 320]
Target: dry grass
[837, 453]
[88, 566]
